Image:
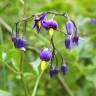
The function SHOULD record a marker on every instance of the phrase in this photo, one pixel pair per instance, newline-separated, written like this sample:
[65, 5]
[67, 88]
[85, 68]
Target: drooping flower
[19, 42]
[38, 20]
[64, 68]
[56, 70]
[52, 71]
[75, 40]
[69, 27]
[68, 42]
[50, 24]
[45, 54]
[23, 44]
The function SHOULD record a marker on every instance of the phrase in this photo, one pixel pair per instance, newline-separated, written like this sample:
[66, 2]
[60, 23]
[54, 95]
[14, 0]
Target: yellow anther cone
[43, 65]
[39, 24]
[51, 31]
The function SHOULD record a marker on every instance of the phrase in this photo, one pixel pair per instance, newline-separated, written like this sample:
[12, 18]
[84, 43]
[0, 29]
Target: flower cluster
[19, 42]
[72, 38]
[47, 24]
[50, 54]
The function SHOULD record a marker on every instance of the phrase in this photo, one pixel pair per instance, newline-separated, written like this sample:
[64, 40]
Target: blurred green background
[81, 76]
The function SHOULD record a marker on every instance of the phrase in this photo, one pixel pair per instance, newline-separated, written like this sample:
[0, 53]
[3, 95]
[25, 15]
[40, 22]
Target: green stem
[64, 85]
[21, 74]
[36, 84]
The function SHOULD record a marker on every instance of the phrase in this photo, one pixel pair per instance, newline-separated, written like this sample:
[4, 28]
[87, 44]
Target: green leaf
[35, 64]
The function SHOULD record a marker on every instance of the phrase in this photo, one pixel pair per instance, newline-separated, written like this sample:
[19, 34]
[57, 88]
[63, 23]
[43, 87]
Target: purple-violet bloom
[56, 70]
[68, 42]
[45, 54]
[50, 24]
[64, 68]
[75, 40]
[38, 20]
[52, 71]
[19, 42]
[69, 27]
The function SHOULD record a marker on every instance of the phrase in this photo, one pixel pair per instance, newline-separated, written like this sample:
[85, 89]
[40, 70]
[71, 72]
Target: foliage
[81, 61]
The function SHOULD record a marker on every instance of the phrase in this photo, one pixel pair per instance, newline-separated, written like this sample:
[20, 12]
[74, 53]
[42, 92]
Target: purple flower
[37, 21]
[68, 42]
[23, 44]
[69, 27]
[64, 68]
[19, 42]
[52, 71]
[75, 40]
[50, 24]
[56, 70]
[45, 54]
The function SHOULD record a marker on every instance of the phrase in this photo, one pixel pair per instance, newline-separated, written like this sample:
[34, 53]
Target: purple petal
[69, 27]
[17, 43]
[38, 28]
[75, 40]
[64, 68]
[45, 24]
[34, 24]
[52, 24]
[45, 54]
[42, 16]
[68, 42]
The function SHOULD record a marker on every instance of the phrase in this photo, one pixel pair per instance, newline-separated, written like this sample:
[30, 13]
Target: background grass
[81, 61]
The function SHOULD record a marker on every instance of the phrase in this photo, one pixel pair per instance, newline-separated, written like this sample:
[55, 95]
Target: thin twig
[64, 85]
[36, 84]
[48, 12]
[22, 77]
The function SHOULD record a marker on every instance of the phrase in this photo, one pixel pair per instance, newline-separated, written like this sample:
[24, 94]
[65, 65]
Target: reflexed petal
[38, 28]
[42, 16]
[34, 24]
[50, 24]
[45, 24]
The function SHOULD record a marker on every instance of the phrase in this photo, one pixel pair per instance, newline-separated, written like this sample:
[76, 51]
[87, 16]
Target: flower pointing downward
[38, 20]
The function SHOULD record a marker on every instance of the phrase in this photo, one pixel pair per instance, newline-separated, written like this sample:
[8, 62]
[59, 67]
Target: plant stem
[64, 85]
[39, 14]
[21, 74]
[36, 84]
